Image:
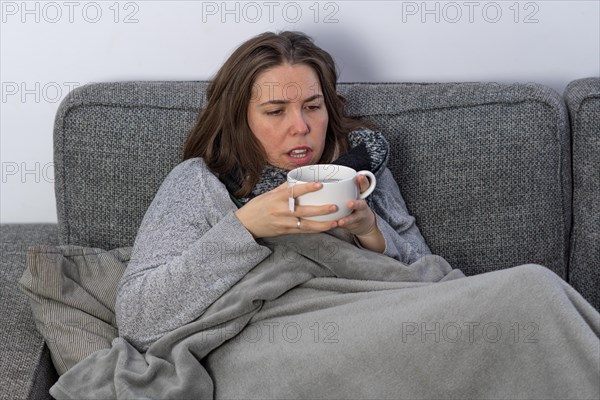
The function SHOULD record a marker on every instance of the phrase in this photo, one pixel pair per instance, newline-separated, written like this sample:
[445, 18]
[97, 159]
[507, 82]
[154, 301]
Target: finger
[291, 193]
[309, 211]
[363, 182]
[356, 217]
[357, 204]
[283, 186]
[303, 188]
[310, 226]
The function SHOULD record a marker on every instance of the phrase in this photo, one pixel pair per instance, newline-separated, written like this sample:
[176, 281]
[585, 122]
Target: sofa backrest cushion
[484, 168]
[583, 100]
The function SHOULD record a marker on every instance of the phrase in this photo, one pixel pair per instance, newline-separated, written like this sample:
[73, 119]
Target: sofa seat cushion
[27, 372]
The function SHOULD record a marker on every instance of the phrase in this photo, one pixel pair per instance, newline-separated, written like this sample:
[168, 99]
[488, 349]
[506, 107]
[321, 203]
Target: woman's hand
[362, 221]
[269, 215]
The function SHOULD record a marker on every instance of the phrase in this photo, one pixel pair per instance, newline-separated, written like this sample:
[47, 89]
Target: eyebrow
[311, 98]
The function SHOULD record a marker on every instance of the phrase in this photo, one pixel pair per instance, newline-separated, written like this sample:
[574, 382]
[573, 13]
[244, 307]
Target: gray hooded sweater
[191, 248]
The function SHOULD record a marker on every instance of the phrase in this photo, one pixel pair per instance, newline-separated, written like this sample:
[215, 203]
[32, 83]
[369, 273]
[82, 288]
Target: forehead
[286, 82]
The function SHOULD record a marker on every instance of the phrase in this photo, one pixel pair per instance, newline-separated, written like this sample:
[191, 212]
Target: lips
[299, 155]
[296, 151]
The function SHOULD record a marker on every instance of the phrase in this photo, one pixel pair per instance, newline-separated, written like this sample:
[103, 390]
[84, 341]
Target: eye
[314, 107]
[274, 112]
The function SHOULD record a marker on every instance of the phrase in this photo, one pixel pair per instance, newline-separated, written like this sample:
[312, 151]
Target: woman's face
[287, 114]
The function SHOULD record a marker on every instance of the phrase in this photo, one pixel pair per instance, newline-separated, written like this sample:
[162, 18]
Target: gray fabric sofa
[496, 176]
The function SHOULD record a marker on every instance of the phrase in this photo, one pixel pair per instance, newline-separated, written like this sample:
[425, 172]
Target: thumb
[283, 186]
[363, 181]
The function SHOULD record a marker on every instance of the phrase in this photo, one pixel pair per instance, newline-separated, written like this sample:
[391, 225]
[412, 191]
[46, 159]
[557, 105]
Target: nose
[299, 126]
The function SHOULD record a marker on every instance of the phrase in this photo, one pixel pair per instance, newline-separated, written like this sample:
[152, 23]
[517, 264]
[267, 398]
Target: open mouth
[299, 156]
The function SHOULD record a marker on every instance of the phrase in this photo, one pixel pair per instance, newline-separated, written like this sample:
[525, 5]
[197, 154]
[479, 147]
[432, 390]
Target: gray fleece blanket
[320, 318]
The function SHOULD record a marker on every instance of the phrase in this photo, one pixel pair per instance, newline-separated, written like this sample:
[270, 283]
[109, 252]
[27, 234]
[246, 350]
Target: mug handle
[373, 181]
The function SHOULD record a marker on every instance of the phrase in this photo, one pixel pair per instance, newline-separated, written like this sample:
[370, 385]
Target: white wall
[49, 47]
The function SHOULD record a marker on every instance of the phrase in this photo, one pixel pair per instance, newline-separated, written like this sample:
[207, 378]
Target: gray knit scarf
[369, 150]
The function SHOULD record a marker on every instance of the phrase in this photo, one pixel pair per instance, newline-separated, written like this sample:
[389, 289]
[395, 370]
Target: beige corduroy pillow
[72, 292]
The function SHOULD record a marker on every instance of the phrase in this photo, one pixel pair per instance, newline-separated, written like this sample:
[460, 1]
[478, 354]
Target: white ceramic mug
[339, 186]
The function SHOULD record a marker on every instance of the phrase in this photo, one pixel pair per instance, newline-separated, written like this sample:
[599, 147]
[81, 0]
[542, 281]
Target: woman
[279, 107]
[274, 95]
[273, 107]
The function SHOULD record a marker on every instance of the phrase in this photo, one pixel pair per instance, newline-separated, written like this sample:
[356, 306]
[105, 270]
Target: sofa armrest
[583, 102]
[27, 370]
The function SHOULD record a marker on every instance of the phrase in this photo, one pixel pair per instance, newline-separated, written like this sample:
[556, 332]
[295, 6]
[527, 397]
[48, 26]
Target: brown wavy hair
[221, 135]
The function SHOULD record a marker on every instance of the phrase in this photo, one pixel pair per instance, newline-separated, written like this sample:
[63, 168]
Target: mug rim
[290, 179]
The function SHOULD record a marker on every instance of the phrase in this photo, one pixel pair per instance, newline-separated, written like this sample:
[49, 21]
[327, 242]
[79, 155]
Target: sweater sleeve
[189, 250]
[403, 240]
